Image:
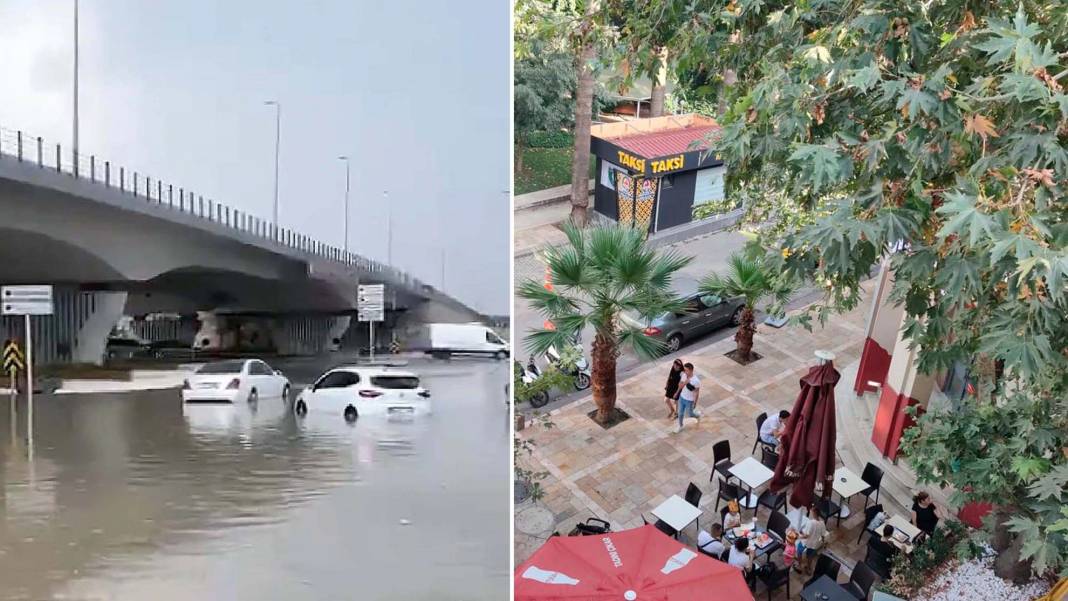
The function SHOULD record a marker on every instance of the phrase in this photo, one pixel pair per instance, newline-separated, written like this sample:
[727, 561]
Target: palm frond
[646, 347]
[538, 341]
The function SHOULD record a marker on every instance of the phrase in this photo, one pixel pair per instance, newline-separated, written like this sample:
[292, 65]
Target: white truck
[446, 339]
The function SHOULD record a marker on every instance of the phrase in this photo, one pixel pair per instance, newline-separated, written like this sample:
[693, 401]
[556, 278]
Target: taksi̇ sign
[370, 302]
[26, 300]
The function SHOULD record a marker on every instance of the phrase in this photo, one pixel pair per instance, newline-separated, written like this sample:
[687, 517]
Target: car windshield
[222, 367]
[395, 382]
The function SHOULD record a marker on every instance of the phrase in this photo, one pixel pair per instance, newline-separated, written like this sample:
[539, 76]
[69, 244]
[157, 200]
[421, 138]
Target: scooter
[528, 375]
[580, 371]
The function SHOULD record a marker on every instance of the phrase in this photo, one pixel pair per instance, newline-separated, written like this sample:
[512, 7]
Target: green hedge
[550, 139]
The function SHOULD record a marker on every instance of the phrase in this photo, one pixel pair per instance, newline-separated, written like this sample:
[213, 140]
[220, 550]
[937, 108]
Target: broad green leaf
[865, 78]
[821, 165]
[965, 218]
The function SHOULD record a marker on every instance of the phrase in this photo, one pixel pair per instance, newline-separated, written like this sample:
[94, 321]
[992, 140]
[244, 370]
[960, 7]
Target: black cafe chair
[759, 422]
[769, 458]
[662, 526]
[829, 509]
[773, 501]
[693, 497]
[873, 477]
[774, 577]
[825, 566]
[861, 580]
[728, 492]
[869, 515]
[721, 460]
[776, 526]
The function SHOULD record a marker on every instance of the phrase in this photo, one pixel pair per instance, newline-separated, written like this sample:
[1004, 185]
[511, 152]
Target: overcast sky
[415, 92]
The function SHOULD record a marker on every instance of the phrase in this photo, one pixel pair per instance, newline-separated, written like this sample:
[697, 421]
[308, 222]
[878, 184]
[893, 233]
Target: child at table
[733, 518]
[789, 552]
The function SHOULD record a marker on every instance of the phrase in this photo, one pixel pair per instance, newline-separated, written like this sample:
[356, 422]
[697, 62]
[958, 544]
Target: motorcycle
[579, 369]
[528, 374]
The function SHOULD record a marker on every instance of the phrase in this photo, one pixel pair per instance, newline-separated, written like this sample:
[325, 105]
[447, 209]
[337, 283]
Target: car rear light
[186, 386]
[234, 384]
[424, 393]
[651, 331]
[370, 394]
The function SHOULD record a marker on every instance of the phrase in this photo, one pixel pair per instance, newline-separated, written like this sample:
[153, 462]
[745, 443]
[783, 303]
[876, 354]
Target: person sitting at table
[741, 555]
[733, 518]
[772, 428]
[711, 543]
[924, 513]
[812, 537]
[884, 548]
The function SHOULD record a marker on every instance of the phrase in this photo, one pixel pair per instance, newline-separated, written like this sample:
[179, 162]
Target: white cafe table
[847, 484]
[753, 474]
[904, 526]
[676, 512]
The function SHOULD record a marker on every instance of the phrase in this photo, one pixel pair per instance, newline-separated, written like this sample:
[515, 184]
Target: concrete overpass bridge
[115, 242]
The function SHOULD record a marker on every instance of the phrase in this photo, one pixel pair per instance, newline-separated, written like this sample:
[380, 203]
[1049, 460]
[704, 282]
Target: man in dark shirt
[882, 551]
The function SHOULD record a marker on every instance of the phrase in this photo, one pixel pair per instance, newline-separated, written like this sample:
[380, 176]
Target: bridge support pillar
[307, 335]
[92, 336]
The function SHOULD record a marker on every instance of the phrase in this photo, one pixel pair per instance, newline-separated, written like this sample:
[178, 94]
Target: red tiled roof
[666, 142]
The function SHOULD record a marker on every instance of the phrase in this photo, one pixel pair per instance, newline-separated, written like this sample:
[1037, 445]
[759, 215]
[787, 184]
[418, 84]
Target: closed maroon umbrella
[807, 459]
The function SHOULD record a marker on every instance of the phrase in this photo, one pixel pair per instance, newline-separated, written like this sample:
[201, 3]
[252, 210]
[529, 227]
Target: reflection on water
[138, 497]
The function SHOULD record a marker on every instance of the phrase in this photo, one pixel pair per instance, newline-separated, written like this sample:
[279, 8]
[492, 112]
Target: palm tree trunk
[743, 338]
[659, 92]
[604, 376]
[580, 160]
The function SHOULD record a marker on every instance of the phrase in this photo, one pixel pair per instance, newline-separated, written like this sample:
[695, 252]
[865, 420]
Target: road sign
[371, 302]
[13, 360]
[26, 300]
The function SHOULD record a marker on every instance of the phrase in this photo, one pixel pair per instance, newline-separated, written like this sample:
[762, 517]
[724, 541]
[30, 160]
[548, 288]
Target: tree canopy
[934, 135]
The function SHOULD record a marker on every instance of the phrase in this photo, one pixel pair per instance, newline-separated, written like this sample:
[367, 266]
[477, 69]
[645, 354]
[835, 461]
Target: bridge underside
[108, 261]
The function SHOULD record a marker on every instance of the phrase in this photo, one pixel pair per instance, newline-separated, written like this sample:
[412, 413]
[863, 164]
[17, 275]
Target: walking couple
[681, 392]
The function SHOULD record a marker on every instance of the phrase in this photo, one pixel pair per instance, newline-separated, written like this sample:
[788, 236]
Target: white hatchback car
[356, 391]
[235, 380]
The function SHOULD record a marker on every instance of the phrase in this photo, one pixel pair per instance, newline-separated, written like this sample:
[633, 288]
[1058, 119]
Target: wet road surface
[134, 496]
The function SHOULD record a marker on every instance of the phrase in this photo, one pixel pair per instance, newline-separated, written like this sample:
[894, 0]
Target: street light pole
[277, 138]
[75, 145]
[346, 159]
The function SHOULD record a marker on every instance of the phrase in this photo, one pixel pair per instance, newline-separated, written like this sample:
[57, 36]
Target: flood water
[134, 496]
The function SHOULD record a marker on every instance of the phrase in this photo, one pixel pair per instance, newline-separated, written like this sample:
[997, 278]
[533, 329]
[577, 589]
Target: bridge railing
[22, 147]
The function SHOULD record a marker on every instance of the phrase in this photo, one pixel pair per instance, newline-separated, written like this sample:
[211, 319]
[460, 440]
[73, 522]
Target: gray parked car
[705, 313]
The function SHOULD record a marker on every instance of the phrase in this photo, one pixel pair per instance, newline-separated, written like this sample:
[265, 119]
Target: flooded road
[135, 496]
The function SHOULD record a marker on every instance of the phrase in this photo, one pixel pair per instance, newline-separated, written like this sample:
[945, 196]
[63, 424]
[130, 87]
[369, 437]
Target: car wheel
[253, 396]
[301, 408]
[736, 317]
[674, 342]
[351, 414]
[501, 355]
[285, 393]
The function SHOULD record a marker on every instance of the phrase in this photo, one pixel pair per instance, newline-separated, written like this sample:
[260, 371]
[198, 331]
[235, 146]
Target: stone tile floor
[621, 474]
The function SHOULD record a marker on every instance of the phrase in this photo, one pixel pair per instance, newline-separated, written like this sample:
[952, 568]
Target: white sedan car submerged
[235, 380]
[357, 391]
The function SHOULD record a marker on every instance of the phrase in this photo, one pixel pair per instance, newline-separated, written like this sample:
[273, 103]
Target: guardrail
[18, 145]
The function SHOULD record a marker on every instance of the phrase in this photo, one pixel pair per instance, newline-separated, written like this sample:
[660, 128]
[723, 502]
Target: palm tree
[602, 272]
[748, 277]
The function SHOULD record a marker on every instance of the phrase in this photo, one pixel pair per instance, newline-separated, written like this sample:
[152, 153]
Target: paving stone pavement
[622, 473]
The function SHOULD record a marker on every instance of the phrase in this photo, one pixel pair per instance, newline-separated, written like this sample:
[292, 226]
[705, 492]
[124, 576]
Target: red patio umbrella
[641, 564]
[807, 442]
